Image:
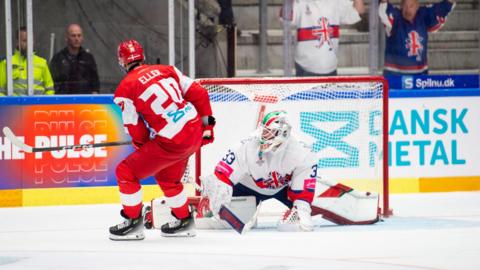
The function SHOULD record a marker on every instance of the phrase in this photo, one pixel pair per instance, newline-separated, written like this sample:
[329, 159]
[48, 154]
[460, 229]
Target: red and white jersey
[292, 166]
[158, 100]
[317, 23]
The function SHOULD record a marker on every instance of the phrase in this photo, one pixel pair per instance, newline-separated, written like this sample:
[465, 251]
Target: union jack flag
[414, 45]
[324, 32]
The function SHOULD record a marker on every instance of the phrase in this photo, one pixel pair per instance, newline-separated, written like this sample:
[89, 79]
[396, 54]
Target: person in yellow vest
[42, 79]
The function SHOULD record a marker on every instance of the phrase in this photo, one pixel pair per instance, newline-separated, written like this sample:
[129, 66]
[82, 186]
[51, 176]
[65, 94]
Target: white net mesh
[340, 118]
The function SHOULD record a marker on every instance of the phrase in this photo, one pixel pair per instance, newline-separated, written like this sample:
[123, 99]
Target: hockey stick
[225, 212]
[235, 222]
[30, 149]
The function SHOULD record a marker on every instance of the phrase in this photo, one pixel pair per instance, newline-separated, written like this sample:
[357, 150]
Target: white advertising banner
[434, 137]
[428, 137]
[345, 134]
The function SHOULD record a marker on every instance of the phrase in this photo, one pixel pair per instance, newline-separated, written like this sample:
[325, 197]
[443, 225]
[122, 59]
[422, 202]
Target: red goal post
[344, 119]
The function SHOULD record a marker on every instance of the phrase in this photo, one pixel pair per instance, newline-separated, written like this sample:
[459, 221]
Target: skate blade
[128, 237]
[190, 233]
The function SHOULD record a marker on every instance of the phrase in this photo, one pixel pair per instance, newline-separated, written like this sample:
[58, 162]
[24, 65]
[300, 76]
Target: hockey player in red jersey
[169, 117]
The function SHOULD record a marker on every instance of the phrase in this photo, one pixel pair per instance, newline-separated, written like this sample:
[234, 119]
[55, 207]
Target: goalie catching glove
[218, 192]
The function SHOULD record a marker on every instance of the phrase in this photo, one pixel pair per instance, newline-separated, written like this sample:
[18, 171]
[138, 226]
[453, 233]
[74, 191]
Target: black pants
[301, 72]
[281, 196]
[392, 73]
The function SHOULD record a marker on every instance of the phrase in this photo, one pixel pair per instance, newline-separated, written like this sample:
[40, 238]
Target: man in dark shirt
[74, 69]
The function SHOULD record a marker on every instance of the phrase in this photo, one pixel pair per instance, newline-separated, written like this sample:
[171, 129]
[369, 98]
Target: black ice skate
[129, 229]
[180, 227]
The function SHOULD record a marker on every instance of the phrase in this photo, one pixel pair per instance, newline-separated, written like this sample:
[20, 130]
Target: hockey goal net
[343, 119]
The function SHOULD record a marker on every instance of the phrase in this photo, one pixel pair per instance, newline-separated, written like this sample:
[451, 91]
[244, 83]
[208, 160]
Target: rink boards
[433, 146]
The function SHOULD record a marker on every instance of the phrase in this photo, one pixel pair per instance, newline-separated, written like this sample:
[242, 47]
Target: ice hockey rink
[428, 231]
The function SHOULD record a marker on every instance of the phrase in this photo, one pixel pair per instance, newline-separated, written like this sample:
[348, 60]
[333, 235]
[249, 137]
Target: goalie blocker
[335, 202]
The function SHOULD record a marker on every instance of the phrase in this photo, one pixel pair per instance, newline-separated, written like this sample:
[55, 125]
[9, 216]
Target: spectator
[226, 12]
[407, 34]
[74, 69]
[42, 80]
[317, 23]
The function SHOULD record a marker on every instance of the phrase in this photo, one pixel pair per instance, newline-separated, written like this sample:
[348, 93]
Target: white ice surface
[428, 231]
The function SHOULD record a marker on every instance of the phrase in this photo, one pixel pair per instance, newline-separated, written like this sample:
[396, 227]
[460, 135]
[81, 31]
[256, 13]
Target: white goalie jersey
[292, 166]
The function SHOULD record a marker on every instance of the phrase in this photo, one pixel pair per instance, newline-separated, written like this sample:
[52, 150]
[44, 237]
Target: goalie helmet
[274, 130]
[129, 51]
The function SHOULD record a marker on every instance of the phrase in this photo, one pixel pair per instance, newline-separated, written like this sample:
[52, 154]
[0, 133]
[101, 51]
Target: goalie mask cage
[343, 119]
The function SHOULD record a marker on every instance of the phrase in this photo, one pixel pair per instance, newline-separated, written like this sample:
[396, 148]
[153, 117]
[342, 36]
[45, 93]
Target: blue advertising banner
[433, 86]
[422, 82]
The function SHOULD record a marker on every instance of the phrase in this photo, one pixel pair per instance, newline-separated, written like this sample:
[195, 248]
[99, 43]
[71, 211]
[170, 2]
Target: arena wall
[433, 134]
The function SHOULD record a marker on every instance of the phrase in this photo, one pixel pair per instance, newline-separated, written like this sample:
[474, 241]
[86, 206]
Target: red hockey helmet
[130, 51]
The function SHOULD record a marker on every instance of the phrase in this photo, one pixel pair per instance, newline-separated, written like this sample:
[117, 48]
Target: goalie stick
[30, 149]
[225, 212]
[235, 222]
[229, 215]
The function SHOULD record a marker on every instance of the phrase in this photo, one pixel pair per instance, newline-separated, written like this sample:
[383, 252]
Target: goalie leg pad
[343, 205]
[161, 213]
[243, 206]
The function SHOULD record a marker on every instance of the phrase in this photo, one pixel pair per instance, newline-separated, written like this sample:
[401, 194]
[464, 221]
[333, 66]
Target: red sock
[182, 211]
